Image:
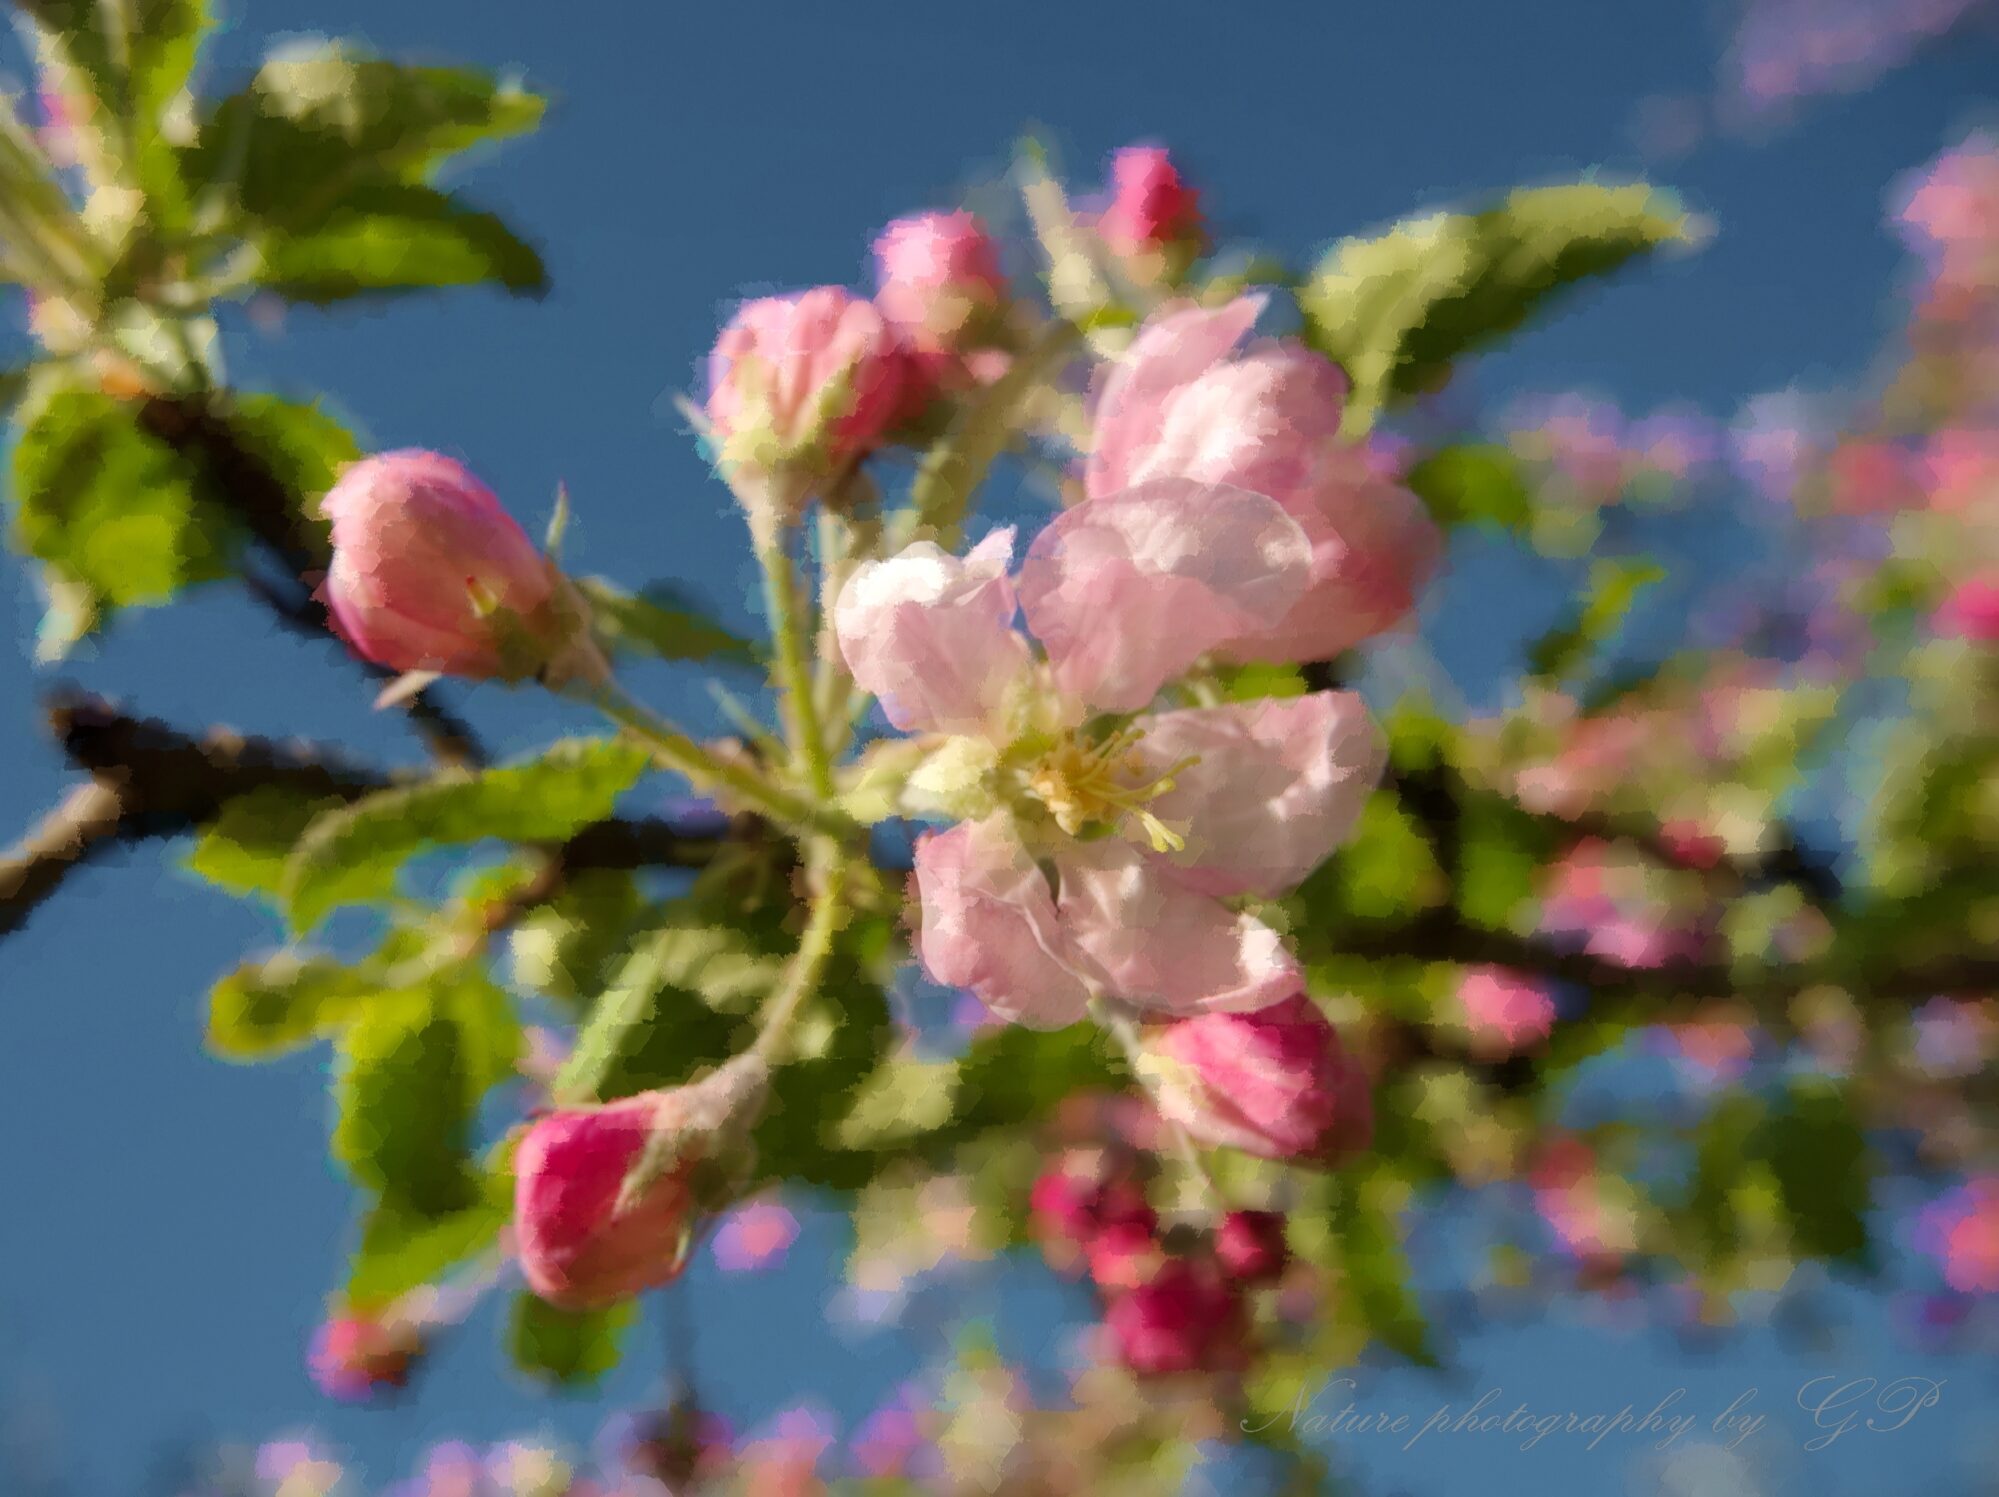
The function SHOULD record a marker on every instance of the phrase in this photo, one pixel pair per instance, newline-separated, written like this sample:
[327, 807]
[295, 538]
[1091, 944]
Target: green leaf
[266, 1009]
[1614, 585]
[392, 236]
[352, 854]
[1375, 1276]
[1824, 1171]
[246, 847]
[1395, 310]
[1474, 485]
[569, 1348]
[110, 509]
[137, 54]
[403, 1095]
[304, 448]
[662, 621]
[401, 1249]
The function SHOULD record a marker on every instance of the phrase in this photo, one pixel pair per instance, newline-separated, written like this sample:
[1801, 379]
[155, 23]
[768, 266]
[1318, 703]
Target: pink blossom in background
[1773, 443]
[1784, 50]
[1871, 477]
[754, 1236]
[1507, 1007]
[1613, 903]
[430, 573]
[1949, 212]
[890, 1442]
[356, 1357]
[1962, 467]
[1971, 610]
[783, 1459]
[1956, 1038]
[1961, 1232]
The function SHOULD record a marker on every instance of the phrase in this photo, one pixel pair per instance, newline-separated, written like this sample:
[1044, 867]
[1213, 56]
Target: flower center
[1087, 785]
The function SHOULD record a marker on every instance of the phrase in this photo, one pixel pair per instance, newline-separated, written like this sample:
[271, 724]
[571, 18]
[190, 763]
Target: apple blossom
[937, 275]
[1182, 1319]
[430, 573]
[1506, 1009]
[1183, 404]
[1146, 820]
[1275, 1083]
[355, 1356]
[1250, 1247]
[1151, 210]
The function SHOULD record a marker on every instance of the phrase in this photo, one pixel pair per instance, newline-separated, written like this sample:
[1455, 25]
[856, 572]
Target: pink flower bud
[937, 275]
[1182, 1319]
[1151, 208]
[590, 1226]
[1086, 1210]
[1971, 611]
[1274, 1083]
[1123, 1255]
[354, 1357]
[429, 573]
[807, 382]
[1249, 1246]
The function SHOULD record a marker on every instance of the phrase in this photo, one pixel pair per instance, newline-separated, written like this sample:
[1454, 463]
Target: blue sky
[169, 1224]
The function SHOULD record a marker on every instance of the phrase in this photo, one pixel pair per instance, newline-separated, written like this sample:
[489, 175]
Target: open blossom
[1275, 1083]
[811, 381]
[1147, 820]
[587, 1231]
[1183, 404]
[430, 573]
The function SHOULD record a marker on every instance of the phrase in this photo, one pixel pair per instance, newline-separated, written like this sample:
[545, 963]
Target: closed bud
[801, 387]
[1275, 1083]
[1153, 222]
[355, 1357]
[605, 1197]
[938, 282]
[430, 573]
[1182, 1319]
[1249, 1246]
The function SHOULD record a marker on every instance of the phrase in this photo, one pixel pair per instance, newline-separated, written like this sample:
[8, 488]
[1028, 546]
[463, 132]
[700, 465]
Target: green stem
[815, 949]
[678, 752]
[794, 676]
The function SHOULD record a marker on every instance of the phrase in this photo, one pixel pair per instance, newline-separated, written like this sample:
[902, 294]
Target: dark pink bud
[1182, 1319]
[1274, 1083]
[429, 573]
[604, 1197]
[1249, 1246]
[1124, 1255]
[354, 1357]
[1151, 208]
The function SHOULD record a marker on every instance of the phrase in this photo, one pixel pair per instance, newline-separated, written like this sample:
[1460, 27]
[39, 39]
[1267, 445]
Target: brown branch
[149, 780]
[245, 485]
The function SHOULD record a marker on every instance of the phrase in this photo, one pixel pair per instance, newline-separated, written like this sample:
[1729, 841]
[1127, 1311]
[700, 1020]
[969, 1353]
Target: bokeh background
[167, 1223]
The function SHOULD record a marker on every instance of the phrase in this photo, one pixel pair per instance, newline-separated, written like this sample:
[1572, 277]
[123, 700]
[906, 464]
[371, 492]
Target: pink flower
[1150, 207]
[1183, 1319]
[1506, 1007]
[755, 1236]
[1872, 478]
[936, 274]
[354, 1357]
[1274, 1083]
[429, 573]
[1250, 1246]
[1962, 465]
[1971, 611]
[1146, 823]
[1961, 1231]
[811, 382]
[586, 1237]
[1180, 405]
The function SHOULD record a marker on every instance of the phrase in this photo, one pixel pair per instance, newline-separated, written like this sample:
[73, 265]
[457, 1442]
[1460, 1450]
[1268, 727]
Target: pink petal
[989, 925]
[1174, 347]
[1125, 593]
[932, 636]
[1162, 945]
[1279, 784]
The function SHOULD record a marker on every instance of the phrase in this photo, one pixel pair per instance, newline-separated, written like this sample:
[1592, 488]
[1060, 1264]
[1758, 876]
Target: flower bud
[1153, 221]
[1971, 611]
[1506, 1011]
[354, 1357]
[604, 1197]
[802, 384]
[1182, 1319]
[1249, 1246]
[429, 573]
[1274, 1083]
[938, 278]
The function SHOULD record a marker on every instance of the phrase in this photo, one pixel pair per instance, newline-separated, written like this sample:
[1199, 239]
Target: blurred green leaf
[1375, 1276]
[137, 54]
[322, 120]
[109, 508]
[662, 620]
[246, 847]
[395, 236]
[352, 854]
[1614, 586]
[402, 1095]
[401, 1250]
[304, 448]
[570, 1348]
[1395, 310]
[1474, 485]
[1824, 1171]
[266, 1009]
